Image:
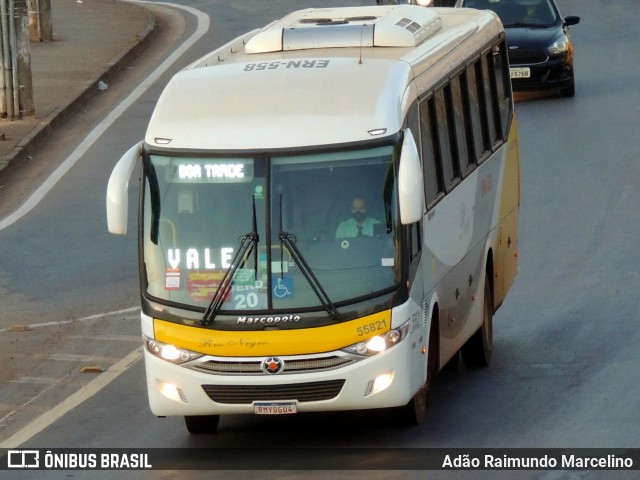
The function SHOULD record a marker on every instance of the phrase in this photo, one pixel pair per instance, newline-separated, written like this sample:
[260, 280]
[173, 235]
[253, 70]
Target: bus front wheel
[414, 412]
[478, 349]
[202, 423]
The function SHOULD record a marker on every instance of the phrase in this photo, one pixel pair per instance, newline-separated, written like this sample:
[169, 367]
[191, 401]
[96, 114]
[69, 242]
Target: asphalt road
[565, 366]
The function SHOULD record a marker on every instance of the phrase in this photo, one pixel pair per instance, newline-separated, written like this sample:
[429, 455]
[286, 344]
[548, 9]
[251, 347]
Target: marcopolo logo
[268, 320]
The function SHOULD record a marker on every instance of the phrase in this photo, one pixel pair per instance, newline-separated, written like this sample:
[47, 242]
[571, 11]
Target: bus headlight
[168, 352]
[379, 343]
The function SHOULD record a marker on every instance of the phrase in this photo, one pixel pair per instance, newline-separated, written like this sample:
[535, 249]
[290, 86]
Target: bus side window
[431, 167]
[414, 247]
[413, 123]
[416, 240]
[503, 83]
[460, 120]
[479, 127]
[415, 229]
[450, 167]
[488, 82]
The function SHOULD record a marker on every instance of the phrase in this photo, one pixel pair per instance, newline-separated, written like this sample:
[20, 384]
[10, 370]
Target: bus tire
[478, 349]
[198, 424]
[414, 412]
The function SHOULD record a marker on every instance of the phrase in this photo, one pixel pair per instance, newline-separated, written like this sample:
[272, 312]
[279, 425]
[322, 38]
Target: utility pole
[40, 26]
[16, 88]
[23, 62]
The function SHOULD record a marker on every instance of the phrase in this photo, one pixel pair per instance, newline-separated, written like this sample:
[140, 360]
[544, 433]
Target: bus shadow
[378, 428]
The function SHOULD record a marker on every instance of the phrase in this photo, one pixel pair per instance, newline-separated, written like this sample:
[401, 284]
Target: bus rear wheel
[198, 424]
[478, 349]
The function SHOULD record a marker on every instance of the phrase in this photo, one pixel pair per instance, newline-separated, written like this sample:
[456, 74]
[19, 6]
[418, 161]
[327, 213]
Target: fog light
[380, 383]
[172, 392]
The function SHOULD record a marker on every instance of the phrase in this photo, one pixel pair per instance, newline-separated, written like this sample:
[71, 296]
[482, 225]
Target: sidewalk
[92, 40]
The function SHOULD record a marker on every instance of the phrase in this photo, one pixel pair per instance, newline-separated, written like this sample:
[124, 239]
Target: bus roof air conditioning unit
[392, 26]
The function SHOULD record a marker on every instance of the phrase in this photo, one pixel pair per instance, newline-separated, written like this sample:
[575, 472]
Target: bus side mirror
[118, 190]
[410, 181]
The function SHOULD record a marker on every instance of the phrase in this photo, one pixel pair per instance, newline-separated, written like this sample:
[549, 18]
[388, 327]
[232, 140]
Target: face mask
[359, 216]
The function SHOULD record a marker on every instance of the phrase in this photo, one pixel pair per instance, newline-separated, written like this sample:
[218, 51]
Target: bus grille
[247, 394]
[253, 367]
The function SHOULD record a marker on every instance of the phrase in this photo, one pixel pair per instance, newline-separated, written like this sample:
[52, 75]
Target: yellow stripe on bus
[253, 343]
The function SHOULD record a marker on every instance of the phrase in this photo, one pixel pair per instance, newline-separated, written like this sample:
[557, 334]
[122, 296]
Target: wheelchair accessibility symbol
[282, 287]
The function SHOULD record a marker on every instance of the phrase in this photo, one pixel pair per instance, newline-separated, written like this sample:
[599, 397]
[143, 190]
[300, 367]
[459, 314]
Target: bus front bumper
[381, 381]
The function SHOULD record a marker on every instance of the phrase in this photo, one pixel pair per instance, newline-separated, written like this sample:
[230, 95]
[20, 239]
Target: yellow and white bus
[256, 297]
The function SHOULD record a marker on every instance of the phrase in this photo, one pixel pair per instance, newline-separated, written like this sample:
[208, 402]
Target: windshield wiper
[289, 241]
[248, 242]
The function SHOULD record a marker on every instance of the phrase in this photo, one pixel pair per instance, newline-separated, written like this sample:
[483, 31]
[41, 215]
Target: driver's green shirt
[349, 228]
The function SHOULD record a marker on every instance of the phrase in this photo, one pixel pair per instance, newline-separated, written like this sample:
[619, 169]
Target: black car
[540, 50]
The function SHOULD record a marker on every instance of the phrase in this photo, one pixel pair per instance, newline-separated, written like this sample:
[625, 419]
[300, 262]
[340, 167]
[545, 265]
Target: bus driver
[360, 224]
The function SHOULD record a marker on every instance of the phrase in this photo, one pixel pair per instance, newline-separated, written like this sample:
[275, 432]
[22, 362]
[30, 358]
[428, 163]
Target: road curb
[31, 141]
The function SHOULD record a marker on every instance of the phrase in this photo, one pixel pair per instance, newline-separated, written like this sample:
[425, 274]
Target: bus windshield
[305, 232]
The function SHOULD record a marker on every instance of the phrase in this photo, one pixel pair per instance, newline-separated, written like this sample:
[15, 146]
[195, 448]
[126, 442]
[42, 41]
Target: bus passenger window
[501, 74]
[449, 162]
[416, 240]
[488, 82]
[432, 171]
[460, 122]
[479, 127]
[413, 123]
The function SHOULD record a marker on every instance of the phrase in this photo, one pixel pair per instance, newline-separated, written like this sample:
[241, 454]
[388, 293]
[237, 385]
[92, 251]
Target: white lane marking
[97, 384]
[71, 402]
[52, 382]
[37, 380]
[101, 128]
[110, 338]
[30, 401]
[83, 319]
[73, 357]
